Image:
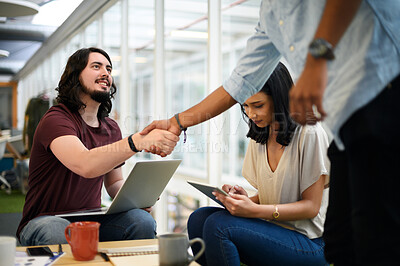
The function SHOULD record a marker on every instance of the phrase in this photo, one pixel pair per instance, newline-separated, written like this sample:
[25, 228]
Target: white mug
[7, 250]
[173, 249]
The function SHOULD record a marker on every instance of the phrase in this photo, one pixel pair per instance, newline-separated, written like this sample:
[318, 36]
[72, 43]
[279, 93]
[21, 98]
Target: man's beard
[98, 96]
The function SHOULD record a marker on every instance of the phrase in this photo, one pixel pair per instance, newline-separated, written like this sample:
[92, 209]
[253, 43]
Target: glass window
[238, 23]
[186, 73]
[91, 34]
[179, 207]
[74, 44]
[112, 44]
[141, 63]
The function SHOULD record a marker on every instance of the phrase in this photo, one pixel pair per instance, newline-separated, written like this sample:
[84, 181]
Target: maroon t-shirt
[53, 188]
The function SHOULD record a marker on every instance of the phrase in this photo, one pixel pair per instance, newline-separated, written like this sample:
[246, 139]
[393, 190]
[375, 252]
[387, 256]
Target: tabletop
[144, 260]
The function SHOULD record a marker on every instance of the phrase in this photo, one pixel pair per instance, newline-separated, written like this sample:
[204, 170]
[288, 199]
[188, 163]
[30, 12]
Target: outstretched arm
[309, 89]
[73, 154]
[214, 104]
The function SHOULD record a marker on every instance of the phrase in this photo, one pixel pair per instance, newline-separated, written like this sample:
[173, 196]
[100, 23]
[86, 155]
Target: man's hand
[163, 140]
[168, 124]
[306, 96]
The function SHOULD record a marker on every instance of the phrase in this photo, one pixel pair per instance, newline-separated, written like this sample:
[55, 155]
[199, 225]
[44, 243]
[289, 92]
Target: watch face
[320, 48]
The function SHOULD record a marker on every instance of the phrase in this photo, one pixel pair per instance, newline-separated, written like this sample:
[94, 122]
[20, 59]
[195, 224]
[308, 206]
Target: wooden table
[68, 258]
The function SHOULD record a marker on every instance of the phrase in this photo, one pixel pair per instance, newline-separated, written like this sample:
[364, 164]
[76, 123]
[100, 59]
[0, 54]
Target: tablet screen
[208, 190]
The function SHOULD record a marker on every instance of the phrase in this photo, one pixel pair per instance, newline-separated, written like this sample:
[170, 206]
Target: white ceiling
[21, 38]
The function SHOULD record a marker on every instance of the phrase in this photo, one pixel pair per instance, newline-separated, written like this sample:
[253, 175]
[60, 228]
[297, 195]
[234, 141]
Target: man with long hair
[76, 148]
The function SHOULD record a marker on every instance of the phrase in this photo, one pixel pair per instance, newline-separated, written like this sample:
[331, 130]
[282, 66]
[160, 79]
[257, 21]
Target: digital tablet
[207, 190]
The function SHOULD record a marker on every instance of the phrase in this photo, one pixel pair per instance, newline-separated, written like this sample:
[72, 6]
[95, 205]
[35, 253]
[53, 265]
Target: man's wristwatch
[320, 48]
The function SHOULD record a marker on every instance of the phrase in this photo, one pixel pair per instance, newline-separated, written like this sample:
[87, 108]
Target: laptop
[141, 189]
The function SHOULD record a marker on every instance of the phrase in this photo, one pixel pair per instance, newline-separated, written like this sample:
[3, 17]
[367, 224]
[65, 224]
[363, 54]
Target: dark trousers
[363, 220]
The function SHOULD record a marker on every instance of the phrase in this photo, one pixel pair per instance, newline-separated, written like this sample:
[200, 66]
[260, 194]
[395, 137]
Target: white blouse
[302, 163]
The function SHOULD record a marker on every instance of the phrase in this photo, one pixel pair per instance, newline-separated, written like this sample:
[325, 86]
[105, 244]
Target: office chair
[5, 185]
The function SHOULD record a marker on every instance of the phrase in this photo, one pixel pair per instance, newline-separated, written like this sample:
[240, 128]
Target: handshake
[160, 137]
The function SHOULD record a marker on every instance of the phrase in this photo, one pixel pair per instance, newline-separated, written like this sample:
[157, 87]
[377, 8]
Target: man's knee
[52, 235]
[45, 230]
[143, 225]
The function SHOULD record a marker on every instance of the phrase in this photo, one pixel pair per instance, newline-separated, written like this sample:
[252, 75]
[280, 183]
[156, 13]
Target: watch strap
[132, 145]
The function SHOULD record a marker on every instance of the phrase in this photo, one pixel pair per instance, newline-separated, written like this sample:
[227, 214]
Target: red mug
[83, 237]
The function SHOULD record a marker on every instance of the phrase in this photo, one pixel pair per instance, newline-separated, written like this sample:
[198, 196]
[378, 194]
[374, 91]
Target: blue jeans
[230, 240]
[133, 224]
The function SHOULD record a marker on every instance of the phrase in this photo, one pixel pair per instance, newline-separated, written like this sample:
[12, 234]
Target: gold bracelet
[275, 214]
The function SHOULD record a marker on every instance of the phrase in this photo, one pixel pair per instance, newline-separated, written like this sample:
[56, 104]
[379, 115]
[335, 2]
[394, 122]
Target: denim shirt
[367, 56]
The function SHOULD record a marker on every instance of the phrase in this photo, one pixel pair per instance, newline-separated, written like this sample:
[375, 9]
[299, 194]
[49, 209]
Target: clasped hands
[162, 136]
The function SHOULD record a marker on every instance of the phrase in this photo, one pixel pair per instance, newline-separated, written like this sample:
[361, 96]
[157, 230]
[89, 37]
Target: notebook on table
[144, 185]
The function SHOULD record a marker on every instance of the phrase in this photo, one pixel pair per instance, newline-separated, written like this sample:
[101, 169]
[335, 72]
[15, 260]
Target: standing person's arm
[214, 104]
[311, 84]
[253, 69]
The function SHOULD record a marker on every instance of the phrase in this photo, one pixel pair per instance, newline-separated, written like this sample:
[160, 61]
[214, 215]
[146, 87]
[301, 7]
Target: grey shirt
[367, 56]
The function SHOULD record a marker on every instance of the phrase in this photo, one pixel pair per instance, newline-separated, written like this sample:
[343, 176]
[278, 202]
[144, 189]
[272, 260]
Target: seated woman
[283, 223]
